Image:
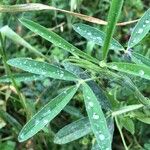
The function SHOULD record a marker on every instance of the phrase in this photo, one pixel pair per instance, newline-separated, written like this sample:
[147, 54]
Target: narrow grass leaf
[127, 109]
[97, 118]
[140, 30]
[37, 7]
[46, 114]
[9, 33]
[95, 35]
[55, 39]
[140, 59]
[10, 119]
[133, 69]
[41, 68]
[21, 77]
[73, 131]
[113, 16]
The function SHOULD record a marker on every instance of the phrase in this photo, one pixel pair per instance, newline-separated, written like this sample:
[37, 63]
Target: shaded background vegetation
[39, 92]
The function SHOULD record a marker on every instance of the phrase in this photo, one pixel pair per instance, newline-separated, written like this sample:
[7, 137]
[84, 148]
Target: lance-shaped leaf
[97, 118]
[21, 77]
[78, 129]
[73, 131]
[140, 30]
[140, 59]
[41, 68]
[9, 33]
[133, 69]
[55, 39]
[46, 114]
[95, 35]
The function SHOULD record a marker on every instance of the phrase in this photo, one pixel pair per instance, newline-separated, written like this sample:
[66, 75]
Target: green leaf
[128, 124]
[127, 109]
[46, 114]
[10, 119]
[113, 16]
[98, 91]
[141, 116]
[144, 119]
[73, 131]
[97, 118]
[7, 145]
[133, 69]
[21, 77]
[55, 39]
[95, 35]
[41, 68]
[9, 33]
[78, 129]
[73, 111]
[140, 59]
[140, 30]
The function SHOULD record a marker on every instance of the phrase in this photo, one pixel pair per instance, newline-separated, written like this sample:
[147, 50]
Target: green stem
[8, 72]
[113, 16]
[121, 134]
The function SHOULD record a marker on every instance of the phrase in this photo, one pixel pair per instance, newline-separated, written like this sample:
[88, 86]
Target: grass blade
[113, 16]
[97, 118]
[41, 68]
[127, 109]
[95, 35]
[46, 114]
[133, 69]
[9, 33]
[140, 59]
[140, 30]
[55, 39]
[11, 120]
[21, 77]
[73, 131]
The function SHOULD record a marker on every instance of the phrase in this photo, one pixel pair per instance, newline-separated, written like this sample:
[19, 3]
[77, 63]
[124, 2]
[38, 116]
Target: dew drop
[45, 121]
[147, 21]
[89, 33]
[37, 122]
[91, 104]
[95, 116]
[141, 72]
[140, 31]
[88, 97]
[114, 67]
[78, 28]
[102, 137]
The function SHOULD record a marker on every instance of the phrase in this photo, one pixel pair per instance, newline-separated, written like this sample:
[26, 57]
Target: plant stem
[113, 16]
[8, 72]
[121, 134]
